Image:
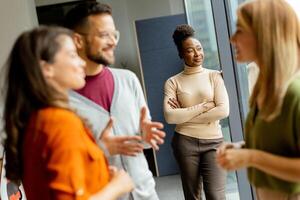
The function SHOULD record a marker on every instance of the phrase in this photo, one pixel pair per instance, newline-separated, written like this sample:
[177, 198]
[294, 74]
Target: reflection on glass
[199, 15]
[241, 69]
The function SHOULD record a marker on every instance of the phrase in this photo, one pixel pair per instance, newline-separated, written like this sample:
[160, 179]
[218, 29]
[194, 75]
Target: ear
[47, 69]
[78, 41]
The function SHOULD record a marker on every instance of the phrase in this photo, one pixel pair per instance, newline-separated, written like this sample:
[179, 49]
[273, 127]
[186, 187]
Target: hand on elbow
[208, 105]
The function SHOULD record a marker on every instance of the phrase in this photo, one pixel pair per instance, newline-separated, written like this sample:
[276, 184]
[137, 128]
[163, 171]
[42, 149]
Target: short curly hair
[78, 15]
[181, 33]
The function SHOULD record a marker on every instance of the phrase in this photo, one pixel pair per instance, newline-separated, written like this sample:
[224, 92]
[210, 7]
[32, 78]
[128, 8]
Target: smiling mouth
[109, 51]
[109, 48]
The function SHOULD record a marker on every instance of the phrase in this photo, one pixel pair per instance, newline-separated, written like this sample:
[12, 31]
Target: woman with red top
[48, 147]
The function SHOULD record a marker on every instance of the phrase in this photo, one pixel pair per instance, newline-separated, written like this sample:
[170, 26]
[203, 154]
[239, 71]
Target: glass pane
[241, 69]
[199, 14]
[200, 17]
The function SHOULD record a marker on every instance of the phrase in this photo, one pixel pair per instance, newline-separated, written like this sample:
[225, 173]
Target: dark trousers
[197, 163]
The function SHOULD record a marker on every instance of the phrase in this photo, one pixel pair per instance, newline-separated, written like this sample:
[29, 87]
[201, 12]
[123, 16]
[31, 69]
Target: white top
[253, 72]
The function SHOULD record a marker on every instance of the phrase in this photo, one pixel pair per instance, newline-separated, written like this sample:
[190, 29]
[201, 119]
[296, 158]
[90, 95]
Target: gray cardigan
[127, 101]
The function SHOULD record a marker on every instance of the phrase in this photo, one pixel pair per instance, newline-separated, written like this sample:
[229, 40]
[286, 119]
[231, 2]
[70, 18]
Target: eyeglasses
[106, 35]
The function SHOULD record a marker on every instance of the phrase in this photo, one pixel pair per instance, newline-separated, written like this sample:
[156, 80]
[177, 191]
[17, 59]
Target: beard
[97, 57]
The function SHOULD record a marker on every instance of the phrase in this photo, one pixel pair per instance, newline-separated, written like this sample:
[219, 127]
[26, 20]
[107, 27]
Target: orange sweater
[60, 158]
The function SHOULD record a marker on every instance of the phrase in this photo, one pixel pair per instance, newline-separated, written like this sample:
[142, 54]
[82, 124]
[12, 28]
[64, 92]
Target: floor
[169, 188]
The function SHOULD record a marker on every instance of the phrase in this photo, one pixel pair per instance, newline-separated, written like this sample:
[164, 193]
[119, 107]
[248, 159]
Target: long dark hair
[26, 90]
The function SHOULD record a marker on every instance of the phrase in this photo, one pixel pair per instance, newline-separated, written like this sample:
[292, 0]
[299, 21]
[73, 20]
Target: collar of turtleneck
[192, 70]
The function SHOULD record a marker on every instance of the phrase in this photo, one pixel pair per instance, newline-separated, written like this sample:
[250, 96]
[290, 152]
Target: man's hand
[125, 145]
[150, 130]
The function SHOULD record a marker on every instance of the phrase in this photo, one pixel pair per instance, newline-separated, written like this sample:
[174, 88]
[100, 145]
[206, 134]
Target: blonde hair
[277, 31]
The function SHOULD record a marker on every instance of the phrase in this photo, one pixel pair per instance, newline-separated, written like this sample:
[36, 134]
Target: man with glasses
[113, 93]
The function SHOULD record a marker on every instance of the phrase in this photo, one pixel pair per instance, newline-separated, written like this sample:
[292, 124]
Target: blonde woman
[268, 32]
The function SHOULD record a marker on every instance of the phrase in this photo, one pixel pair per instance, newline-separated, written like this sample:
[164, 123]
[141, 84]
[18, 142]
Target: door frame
[222, 22]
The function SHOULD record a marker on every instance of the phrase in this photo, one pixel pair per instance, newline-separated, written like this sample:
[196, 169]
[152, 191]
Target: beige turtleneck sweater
[191, 88]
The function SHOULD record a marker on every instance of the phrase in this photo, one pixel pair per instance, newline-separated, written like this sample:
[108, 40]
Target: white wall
[296, 5]
[177, 6]
[16, 16]
[125, 13]
[50, 2]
